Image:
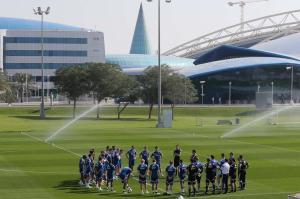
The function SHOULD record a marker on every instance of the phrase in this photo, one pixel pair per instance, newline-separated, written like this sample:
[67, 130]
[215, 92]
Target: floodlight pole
[159, 119]
[40, 12]
[229, 94]
[292, 81]
[202, 91]
[272, 84]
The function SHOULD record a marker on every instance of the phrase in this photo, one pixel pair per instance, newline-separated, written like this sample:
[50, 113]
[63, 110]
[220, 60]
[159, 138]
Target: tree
[149, 84]
[6, 89]
[180, 90]
[3, 81]
[130, 92]
[22, 81]
[175, 88]
[105, 80]
[73, 82]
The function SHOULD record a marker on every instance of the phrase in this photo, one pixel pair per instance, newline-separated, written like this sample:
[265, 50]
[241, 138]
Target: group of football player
[108, 168]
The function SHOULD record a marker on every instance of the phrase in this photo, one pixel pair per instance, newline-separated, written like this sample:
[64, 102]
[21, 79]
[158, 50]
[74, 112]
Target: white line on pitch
[38, 172]
[51, 144]
[263, 145]
[244, 195]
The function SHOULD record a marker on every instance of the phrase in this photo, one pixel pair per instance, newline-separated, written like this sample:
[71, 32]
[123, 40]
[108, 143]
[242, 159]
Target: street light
[202, 94]
[272, 84]
[41, 12]
[229, 94]
[292, 81]
[159, 121]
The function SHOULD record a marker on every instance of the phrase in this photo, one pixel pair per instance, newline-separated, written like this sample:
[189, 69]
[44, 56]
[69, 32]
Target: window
[36, 65]
[50, 53]
[49, 40]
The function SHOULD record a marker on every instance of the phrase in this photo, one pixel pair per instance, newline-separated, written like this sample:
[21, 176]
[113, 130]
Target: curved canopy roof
[143, 61]
[25, 24]
[236, 64]
[228, 52]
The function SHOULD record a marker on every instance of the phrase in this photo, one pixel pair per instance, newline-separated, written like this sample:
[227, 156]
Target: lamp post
[202, 90]
[272, 84]
[41, 12]
[229, 94]
[159, 121]
[292, 82]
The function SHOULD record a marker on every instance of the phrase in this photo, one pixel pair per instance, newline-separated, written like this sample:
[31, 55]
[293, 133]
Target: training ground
[31, 168]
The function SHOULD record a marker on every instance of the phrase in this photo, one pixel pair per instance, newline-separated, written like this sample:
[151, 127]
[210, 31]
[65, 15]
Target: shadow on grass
[36, 117]
[72, 186]
[250, 113]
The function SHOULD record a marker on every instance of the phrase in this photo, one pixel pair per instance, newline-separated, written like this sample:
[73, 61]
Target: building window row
[50, 53]
[36, 65]
[49, 40]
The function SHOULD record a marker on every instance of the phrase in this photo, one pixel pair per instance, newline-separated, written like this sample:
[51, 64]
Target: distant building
[20, 48]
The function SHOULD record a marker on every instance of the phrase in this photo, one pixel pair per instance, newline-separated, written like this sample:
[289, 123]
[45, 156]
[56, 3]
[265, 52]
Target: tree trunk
[150, 111]
[22, 93]
[98, 110]
[172, 106]
[120, 111]
[74, 107]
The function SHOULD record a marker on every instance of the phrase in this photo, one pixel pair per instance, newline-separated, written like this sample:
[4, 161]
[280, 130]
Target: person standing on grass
[182, 170]
[219, 171]
[116, 160]
[225, 174]
[99, 172]
[231, 157]
[154, 170]
[110, 170]
[91, 157]
[232, 174]
[193, 156]
[177, 155]
[243, 166]
[157, 155]
[142, 169]
[87, 171]
[144, 155]
[81, 169]
[171, 172]
[199, 166]
[192, 171]
[124, 176]
[210, 176]
[131, 156]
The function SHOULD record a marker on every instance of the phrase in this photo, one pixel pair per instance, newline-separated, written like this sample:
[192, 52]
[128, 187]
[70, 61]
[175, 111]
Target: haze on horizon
[182, 20]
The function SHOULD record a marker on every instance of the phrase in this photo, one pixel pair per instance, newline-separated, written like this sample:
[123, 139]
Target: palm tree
[23, 81]
[3, 82]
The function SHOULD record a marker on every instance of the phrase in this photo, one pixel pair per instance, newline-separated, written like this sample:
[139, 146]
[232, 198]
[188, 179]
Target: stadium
[245, 62]
[76, 156]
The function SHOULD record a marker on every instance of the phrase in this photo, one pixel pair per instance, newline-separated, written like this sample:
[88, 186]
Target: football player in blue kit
[142, 169]
[171, 172]
[182, 170]
[154, 171]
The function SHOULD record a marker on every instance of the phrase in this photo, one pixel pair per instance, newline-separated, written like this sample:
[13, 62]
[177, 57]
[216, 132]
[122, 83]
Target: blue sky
[182, 20]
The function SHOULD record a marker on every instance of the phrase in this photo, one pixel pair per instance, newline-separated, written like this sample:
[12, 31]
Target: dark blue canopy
[229, 52]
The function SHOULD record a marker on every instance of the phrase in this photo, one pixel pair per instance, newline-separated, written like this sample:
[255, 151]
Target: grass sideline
[30, 168]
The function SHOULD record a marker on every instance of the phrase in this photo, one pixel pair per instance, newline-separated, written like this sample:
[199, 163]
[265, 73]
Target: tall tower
[140, 43]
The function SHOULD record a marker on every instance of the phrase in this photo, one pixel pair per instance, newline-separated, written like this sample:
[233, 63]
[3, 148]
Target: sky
[181, 20]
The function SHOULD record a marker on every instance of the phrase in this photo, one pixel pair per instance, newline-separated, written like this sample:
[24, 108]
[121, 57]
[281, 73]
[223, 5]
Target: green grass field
[30, 168]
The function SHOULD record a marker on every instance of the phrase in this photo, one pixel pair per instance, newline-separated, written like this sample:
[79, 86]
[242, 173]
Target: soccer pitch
[31, 168]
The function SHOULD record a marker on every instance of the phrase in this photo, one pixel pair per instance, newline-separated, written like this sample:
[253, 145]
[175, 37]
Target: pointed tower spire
[140, 43]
